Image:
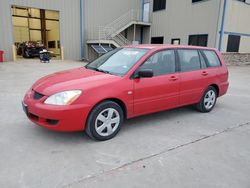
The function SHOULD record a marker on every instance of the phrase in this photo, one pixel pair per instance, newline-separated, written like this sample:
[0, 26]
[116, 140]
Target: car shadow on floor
[135, 124]
[65, 137]
[160, 117]
[129, 125]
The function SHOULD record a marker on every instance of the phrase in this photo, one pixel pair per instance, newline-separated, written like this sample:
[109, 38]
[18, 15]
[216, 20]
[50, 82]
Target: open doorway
[34, 30]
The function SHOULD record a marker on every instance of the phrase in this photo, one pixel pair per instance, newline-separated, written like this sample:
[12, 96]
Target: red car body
[136, 96]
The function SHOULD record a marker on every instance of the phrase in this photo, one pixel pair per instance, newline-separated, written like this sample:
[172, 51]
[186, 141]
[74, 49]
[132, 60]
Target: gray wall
[102, 12]
[182, 18]
[237, 20]
[69, 24]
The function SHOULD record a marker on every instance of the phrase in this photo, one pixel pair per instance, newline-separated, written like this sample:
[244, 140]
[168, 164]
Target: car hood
[79, 78]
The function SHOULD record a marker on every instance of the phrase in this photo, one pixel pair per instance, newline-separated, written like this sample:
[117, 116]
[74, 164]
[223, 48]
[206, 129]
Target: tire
[104, 121]
[26, 54]
[208, 100]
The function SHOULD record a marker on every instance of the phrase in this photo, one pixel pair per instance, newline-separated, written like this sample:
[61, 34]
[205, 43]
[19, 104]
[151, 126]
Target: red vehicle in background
[30, 49]
[125, 83]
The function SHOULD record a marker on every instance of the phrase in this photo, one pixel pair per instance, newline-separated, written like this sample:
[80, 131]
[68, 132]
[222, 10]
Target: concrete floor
[177, 148]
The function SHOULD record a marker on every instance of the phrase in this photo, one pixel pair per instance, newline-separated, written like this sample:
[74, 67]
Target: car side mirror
[145, 73]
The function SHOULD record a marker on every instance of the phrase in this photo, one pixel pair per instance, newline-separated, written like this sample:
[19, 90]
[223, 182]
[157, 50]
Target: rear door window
[212, 58]
[161, 63]
[189, 60]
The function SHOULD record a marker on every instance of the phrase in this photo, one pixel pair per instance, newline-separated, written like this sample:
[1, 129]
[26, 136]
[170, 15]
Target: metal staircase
[111, 33]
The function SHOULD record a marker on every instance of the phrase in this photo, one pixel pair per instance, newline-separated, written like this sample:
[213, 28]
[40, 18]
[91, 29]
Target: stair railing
[111, 30]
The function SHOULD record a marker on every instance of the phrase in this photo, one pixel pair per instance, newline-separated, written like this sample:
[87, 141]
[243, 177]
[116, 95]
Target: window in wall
[34, 23]
[212, 58]
[198, 40]
[161, 63]
[189, 60]
[35, 35]
[157, 40]
[194, 1]
[52, 44]
[50, 14]
[159, 5]
[38, 25]
[233, 43]
[176, 41]
[33, 12]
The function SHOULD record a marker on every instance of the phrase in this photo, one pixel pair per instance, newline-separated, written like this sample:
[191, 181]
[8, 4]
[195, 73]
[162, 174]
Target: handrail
[125, 40]
[132, 15]
[112, 30]
[124, 16]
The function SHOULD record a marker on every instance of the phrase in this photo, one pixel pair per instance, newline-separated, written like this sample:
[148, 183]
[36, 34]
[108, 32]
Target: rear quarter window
[212, 58]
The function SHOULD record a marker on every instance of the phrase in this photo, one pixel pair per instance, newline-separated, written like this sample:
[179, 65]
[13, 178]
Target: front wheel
[104, 121]
[26, 54]
[208, 100]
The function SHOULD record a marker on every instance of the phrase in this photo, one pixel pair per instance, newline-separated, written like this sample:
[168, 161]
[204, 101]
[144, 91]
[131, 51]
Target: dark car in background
[30, 49]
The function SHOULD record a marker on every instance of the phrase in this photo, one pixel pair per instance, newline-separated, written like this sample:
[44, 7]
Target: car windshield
[118, 61]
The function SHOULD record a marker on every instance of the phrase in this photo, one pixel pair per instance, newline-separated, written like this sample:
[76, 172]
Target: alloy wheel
[209, 99]
[107, 122]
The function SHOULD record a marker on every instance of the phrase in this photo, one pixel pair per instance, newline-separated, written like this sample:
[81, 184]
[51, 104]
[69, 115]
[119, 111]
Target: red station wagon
[125, 83]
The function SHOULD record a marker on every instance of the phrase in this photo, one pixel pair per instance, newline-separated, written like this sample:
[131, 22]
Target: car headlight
[63, 98]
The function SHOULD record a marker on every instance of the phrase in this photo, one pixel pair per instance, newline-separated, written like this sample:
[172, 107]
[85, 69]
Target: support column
[134, 32]
[82, 32]
[222, 29]
[142, 10]
[43, 27]
[150, 33]
[28, 20]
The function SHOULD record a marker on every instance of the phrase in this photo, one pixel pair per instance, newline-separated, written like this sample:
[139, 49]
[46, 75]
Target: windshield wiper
[101, 70]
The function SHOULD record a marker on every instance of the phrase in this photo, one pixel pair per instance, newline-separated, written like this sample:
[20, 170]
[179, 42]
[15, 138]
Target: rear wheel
[104, 121]
[208, 100]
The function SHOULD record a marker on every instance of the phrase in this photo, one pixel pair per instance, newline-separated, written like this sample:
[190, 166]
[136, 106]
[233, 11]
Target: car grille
[37, 95]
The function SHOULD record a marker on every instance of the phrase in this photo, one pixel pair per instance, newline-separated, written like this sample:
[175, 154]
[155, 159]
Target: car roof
[165, 46]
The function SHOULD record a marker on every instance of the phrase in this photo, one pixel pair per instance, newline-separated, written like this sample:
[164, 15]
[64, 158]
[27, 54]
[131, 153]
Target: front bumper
[59, 118]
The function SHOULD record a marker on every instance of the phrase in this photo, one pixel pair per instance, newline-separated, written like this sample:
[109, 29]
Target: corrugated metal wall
[237, 21]
[103, 12]
[184, 18]
[69, 24]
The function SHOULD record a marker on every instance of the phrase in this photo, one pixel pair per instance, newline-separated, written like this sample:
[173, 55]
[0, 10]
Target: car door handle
[204, 73]
[173, 78]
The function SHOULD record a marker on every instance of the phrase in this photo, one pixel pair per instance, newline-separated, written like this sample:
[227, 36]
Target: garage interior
[36, 26]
